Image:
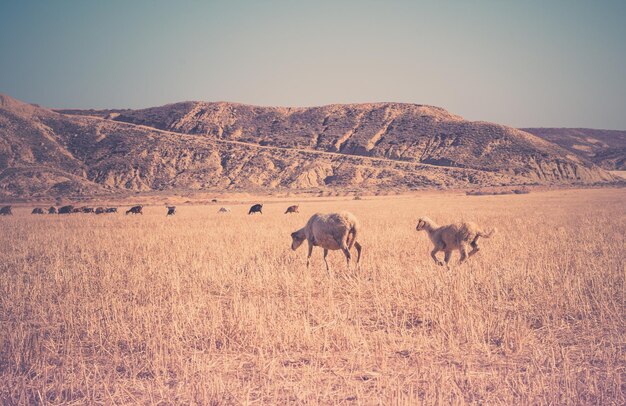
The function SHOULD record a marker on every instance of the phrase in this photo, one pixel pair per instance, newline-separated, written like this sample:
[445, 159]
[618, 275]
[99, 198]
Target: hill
[605, 148]
[227, 146]
[402, 132]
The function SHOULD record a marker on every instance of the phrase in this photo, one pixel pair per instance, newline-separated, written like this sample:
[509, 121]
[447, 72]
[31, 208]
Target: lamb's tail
[487, 235]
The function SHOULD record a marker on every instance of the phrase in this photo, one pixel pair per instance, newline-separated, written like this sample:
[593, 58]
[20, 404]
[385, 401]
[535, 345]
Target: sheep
[66, 210]
[37, 210]
[52, 210]
[135, 210]
[331, 231]
[224, 210]
[293, 209]
[6, 211]
[171, 210]
[452, 237]
[257, 208]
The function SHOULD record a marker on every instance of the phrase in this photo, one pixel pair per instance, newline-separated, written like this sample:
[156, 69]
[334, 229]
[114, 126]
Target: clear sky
[546, 63]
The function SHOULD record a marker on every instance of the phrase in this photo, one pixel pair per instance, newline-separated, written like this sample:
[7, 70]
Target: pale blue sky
[522, 63]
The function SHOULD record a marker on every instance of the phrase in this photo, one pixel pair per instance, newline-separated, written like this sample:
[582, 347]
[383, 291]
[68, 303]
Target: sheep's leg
[358, 250]
[346, 252]
[447, 256]
[343, 245]
[326, 262]
[433, 254]
[308, 257]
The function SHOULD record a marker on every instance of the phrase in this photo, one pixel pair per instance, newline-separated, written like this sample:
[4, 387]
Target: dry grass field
[203, 308]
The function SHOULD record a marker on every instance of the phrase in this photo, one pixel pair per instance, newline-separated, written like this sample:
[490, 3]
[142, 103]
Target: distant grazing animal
[6, 211]
[333, 231]
[213, 200]
[171, 210]
[224, 210]
[52, 210]
[293, 209]
[37, 210]
[77, 210]
[66, 210]
[135, 210]
[100, 210]
[257, 208]
[452, 237]
[87, 209]
[111, 210]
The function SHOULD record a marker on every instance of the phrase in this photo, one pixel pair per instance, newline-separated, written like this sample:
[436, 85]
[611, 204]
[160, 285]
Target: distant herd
[171, 210]
[332, 231]
[7, 210]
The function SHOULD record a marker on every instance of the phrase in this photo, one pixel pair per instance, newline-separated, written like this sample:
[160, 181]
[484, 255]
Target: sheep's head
[423, 223]
[297, 238]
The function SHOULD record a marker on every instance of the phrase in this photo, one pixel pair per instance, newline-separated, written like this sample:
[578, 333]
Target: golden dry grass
[215, 309]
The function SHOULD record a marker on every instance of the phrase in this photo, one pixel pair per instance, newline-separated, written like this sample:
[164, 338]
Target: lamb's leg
[475, 247]
[308, 257]
[326, 262]
[358, 250]
[463, 254]
[434, 256]
[447, 256]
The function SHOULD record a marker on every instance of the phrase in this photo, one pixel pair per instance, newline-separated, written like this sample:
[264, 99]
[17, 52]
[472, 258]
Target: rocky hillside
[202, 146]
[605, 148]
[402, 132]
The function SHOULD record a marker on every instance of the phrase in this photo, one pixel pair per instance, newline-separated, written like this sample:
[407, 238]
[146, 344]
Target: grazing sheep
[87, 209]
[333, 231]
[66, 210]
[213, 200]
[6, 211]
[257, 208]
[293, 209]
[135, 210]
[452, 237]
[111, 210]
[100, 210]
[224, 210]
[37, 210]
[52, 210]
[171, 210]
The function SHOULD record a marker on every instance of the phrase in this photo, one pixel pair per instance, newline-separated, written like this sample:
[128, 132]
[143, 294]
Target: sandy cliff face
[199, 146]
